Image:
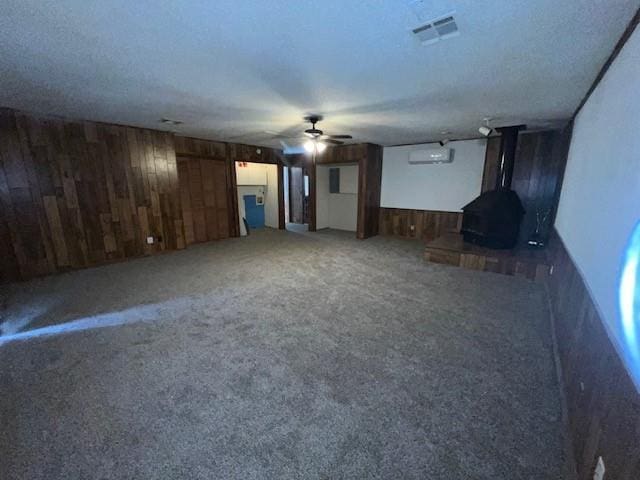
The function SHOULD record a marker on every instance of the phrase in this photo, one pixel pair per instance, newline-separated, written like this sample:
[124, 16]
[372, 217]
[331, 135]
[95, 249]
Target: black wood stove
[493, 219]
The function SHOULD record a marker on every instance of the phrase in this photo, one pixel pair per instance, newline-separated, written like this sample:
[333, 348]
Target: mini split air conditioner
[431, 156]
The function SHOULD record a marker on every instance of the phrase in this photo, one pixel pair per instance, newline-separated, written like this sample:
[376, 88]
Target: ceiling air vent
[438, 29]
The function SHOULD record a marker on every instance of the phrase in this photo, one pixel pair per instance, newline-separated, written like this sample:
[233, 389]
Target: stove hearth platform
[450, 249]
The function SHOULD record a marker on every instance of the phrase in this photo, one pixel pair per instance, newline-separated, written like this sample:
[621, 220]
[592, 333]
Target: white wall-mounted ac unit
[430, 156]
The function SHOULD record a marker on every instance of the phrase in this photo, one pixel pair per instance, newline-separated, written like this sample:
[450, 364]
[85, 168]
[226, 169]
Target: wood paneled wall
[603, 404]
[428, 224]
[345, 153]
[491, 161]
[537, 175]
[229, 153]
[204, 187]
[369, 190]
[77, 194]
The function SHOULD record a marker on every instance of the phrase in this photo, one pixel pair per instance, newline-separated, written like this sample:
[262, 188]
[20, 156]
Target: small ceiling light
[312, 146]
[309, 146]
[486, 130]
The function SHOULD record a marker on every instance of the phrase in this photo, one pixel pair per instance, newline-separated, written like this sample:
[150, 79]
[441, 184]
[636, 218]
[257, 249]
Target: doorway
[298, 197]
[337, 196]
[258, 196]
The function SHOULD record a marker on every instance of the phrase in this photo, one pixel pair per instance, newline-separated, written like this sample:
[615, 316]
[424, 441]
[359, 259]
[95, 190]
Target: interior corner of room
[329, 247]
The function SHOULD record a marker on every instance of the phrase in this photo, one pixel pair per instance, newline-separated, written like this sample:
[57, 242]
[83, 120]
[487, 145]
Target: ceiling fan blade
[333, 142]
[343, 137]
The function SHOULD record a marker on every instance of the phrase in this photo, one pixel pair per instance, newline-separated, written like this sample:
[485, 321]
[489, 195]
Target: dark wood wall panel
[204, 186]
[537, 174]
[78, 194]
[345, 153]
[428, 224]
[229, 153]
[369, 190]
[75, 194]
[491, 159]
[603, 404]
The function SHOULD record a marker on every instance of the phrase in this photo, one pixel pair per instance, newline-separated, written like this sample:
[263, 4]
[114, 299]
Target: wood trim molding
[311, 171]
[232, 193]
[281, 213]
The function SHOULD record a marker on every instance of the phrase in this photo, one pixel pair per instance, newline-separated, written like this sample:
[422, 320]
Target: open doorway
[297, 198]
[258, 196]
[337, 196]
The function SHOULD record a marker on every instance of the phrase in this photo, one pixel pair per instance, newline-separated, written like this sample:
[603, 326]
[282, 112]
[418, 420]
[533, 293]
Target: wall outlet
[599, 472]
[412, 228]
[551, 270]
[149, 240]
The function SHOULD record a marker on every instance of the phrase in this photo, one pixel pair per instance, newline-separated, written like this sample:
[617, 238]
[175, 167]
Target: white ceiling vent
[437, 29]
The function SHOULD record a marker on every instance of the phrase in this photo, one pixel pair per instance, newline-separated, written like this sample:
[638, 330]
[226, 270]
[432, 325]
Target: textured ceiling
[231, 69]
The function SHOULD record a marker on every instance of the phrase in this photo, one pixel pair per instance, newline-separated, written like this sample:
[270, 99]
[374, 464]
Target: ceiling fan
[315, 140]
[318, 134]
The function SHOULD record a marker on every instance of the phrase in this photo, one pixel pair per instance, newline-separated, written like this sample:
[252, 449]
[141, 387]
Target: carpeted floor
[281, 355]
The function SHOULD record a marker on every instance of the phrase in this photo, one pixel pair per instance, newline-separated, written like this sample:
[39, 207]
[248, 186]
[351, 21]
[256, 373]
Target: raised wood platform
[450, 249]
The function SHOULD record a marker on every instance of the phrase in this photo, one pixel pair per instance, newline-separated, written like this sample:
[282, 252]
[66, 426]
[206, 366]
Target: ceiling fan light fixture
[309, 146]
[312, 146]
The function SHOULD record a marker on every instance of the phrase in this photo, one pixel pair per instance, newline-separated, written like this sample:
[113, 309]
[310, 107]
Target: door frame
[308, 168]
[234, 187]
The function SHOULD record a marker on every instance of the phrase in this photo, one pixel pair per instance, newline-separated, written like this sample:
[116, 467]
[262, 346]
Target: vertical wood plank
[76, 194]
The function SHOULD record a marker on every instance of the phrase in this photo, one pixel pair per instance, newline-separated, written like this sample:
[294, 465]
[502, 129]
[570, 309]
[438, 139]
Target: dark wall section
[427, 224]
[602, 402]
[369, 190]
[537, 175]
[77, 194]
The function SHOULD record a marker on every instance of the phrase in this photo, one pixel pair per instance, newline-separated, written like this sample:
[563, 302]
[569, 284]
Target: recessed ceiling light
[168, 121]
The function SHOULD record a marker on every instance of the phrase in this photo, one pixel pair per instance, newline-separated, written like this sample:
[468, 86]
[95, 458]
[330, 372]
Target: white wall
[337, 210]
[600, 199]
[258, 179]
[446, 187]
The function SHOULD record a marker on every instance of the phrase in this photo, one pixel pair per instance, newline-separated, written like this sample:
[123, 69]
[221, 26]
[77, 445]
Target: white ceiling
[233, 69]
